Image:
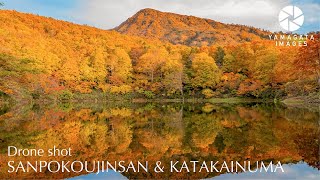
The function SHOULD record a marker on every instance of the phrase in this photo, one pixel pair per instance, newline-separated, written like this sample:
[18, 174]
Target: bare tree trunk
[151, 76]
[181, 87]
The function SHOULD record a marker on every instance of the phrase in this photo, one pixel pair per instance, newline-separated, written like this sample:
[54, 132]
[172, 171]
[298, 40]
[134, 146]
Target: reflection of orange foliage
[249, 114]
[123, 112]
[101, 135]
[230, 123]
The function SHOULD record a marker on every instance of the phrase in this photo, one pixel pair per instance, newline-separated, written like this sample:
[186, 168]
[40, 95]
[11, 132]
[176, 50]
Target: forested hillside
[188, 30]
[41, 56]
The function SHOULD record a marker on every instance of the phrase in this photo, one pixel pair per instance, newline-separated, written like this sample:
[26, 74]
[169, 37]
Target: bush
[65, 95]
[149, 94]
[301, 87]
[267, 93]
[208, 93]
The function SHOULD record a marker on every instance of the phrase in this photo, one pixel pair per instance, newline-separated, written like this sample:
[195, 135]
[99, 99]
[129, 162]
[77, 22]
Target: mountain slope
[187, 30]
[44, 55]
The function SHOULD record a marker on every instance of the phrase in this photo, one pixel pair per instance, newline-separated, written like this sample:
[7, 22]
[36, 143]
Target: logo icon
[291, 18]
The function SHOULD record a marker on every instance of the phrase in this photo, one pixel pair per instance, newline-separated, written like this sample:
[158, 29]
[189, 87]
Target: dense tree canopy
[41, 56]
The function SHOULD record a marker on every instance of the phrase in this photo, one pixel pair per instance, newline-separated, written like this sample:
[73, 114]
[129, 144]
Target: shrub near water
[65, 95]
[208, 93]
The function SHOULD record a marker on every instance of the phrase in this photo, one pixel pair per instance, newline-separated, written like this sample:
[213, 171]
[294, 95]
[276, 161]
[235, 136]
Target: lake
[164, 132]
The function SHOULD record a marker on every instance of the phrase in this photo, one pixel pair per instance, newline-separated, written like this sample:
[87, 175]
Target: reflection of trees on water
[165, 132]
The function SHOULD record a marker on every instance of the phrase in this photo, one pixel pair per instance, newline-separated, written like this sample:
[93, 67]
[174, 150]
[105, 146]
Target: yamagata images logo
[291, 18]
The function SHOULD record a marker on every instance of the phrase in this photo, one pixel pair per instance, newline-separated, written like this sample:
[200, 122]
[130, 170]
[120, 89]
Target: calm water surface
[166, 132]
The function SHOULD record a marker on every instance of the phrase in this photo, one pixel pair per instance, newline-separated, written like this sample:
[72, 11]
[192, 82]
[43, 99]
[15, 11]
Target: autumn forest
[158, 87]
[45, 58]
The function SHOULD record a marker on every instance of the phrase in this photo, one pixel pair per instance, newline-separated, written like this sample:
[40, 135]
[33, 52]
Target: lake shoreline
[299, 100]
[100, 98]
